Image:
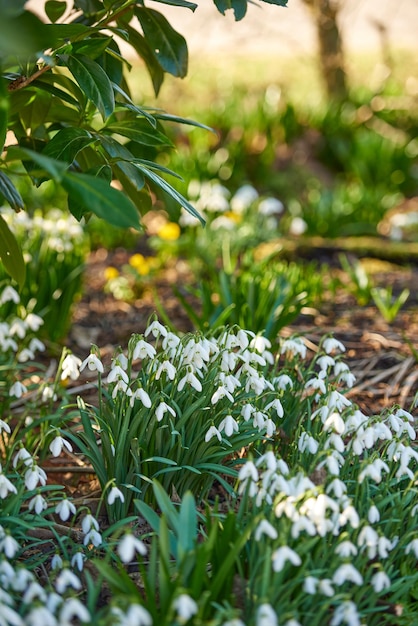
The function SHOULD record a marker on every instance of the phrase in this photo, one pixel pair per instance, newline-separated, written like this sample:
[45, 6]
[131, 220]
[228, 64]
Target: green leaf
[139, 131]
[9, 192]
[67, 143]
[24, 35]
[239, 7]
[122, 166]
[55, 9]
[167, 117]
[142, 47]
[177, 196]
[11, 254]
[91, 47]
[55, 169]
[187, 523]
[4, 112]
[105, 201]
[168, 46]
[179, 3]
[280, 3]
[94, 81]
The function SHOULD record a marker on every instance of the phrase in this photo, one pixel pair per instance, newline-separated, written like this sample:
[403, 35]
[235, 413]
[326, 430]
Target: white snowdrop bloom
[260, 344]
[348, 378]
[93, 363]
[116, 374]
[229, 381]
[9, 546]
[330, 344]
[282, 555]
[266, 616]
[71, 367]
[128, 546]
[192, 380]
[25, 355]
[34, 475]
[168, 368]
[346, 613]
[269, 460]
[213, 432]
[72, 609]
[114, 494]
[317, 383]
[65, 508]
[265, 528]
[143, 350]
[350, 515]
[221, 392]
[384, 546]
[374, 471]
[270, 206]
[5, 427]
[316, 509]
[332, 462]
[302, 524]
[185, 607]
[310, 585]
[347, 572]
[77, 560]
[338, 402]
[93, 537]
[141, 395]
[22, 455]
[380, 581]
[40, 615]
[53, 602]
[6, 486]
[247, 411]
[35, 345]
[294, 346]
[88, 523]
[337, 487]
[346, 549]
[34, 322]
[277, 406]
[66, 578]
[307, 442]
[38, 504]
[156, 329]
[170, 342]
[17, 390]
[283, 381]
[18, 328]
[373, 514]
[270, 427]
[121, 387]
[412, 547]
[334, 422]
[382, 431]
[56, 562]
[325, 362]
[162, 409]
[259, 419]
[336, 442]
[325, 587]
[243, 198]
[297, 226]
[368, 539]
[228, 361]
[252, 357]
[136, 615]
[58, 444]
[9, 294]
[229, 425]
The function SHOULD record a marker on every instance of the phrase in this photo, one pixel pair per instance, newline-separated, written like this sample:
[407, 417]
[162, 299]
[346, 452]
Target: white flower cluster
[17, 333]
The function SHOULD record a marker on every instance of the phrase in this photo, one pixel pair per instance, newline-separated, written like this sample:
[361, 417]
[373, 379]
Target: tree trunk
[331, 54]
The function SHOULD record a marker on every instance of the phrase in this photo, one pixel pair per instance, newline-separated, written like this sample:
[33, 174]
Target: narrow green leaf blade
[142, 47]
[94, 81]
[105, 201]
[11, 254]
[140, 131]
[67, 143]
[168, 46]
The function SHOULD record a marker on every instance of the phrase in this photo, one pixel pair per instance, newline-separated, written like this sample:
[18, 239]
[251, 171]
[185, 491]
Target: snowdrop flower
[136, 615]
[349, 514]
[88, 523]
[34, 322]
[412, 547]
[243, 198]
[4, 426]
[17, 390]
[168, 368]
[346, 549]
[22, 455]
[38, 503]
[122, 387]
[307, 442]
[93, 537]
[248, 472]
[33, 476]
[294, 346]
[266, 616]
[373, 515]
[117, 373]
[18, 328]
[163, 408]
[220, 393]
[283, 381]
[77, 560]
[9, 294]
[334, 422]
[128, 546]
[380, 581]
[66, 578]
[72, 609]
[9, 546]
[310, 585]
[57, 444]
[330, 344]
[192, 380]
[213, 432]
[142, 396]
[347, 572]
[93, 363]
[325, 362]
[64, 509]
[156, 329]
[40, 615]
[143, 350]
[25, 355]
[70, 367]
[325, 587]
[56, 562]
[6, 486]
[277, 406]
[374, 471]
[265, 528]
[229, 425]
[297, 226]
[302, 524]
[115, 493]
[346, 613]
[271, 206]
[185, 607]
[283, 554]
[317, 383]
[338, 487]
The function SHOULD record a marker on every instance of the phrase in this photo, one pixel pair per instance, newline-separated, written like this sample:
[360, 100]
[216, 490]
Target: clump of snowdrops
[316, 525]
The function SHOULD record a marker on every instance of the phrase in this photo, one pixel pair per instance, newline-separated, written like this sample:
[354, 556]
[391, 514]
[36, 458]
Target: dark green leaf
[132, 107]
[89, 7]
[165, 186]
[9, 192]
[94, 81]
[139, 131]
[67, 143]
[91, 47]
[24, 35]
[55, 169]
[179, 3]
[45, 82]
[168, 46]
[280, 3]
[99, 198]
[121, 162]
[167, 117]
[142, 47]
[4, 112]
[62, 32]
[55, 9]
[239, 7]
[11, 254]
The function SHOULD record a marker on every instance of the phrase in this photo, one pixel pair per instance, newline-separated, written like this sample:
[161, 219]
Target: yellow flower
[169, 232]
[110, 273]
[140, 263]
[234, 217]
